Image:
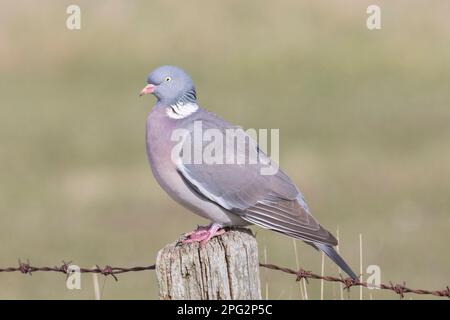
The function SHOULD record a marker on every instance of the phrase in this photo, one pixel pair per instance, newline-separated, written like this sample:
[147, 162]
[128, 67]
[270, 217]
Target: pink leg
[204, 234]
[198, 231]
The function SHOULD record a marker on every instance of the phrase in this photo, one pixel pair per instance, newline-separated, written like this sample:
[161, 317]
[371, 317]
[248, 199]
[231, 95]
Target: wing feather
[270, 201]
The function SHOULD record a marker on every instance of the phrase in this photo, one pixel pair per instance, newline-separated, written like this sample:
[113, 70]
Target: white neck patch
[181, 110]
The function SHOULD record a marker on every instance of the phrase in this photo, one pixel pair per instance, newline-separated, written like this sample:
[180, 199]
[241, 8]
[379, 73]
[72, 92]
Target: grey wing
[270, 201]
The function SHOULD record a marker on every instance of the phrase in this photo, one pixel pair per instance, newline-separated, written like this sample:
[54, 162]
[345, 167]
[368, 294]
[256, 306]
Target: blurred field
[363, 115]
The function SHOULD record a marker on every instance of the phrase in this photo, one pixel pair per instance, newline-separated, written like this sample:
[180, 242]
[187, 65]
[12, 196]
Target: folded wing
[270, 201]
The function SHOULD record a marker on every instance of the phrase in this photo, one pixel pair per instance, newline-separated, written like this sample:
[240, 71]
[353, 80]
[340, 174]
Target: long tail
[333, 255]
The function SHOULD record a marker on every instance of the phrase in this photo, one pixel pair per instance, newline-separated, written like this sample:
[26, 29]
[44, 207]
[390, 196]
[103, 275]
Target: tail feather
[333, 255]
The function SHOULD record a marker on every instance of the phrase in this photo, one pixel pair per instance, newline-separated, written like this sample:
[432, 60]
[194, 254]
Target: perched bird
[227, 193]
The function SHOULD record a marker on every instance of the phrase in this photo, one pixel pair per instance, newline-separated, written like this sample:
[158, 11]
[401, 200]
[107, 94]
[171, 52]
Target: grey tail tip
[333, 255]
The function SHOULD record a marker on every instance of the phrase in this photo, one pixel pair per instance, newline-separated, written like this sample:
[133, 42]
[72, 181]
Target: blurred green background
[364, 120]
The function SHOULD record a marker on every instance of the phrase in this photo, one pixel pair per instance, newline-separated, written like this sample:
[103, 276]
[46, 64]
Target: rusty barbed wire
[27, 268]
[400, 289]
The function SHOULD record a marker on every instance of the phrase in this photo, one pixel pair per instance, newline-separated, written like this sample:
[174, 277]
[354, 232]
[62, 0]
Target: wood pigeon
[228, 192]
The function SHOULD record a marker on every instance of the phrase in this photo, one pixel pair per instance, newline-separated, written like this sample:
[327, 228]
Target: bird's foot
[200, 230]
[203, 234]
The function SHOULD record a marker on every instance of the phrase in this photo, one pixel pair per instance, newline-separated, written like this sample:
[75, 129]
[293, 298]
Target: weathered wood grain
[225, 268]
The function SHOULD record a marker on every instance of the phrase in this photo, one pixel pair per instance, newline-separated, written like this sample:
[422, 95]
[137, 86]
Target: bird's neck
[181, 110]
[184, 106]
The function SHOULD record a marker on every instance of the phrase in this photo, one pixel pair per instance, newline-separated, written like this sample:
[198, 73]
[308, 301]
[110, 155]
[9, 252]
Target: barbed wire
[27, 268]
[400, 289]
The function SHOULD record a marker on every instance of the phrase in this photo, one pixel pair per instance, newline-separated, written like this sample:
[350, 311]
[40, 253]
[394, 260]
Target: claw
[203, 234]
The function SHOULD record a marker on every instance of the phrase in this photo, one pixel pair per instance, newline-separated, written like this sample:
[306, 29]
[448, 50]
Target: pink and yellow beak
[147, 89]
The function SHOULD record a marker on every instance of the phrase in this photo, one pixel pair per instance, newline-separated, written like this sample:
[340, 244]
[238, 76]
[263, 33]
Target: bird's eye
[167, 79]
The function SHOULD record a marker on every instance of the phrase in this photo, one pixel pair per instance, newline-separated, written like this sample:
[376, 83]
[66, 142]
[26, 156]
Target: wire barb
[25, 268]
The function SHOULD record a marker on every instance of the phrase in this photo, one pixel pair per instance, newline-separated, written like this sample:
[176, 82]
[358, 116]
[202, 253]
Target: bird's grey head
[170, 85]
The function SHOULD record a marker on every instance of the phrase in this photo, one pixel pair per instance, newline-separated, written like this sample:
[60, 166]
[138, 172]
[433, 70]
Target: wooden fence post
[225, 268]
